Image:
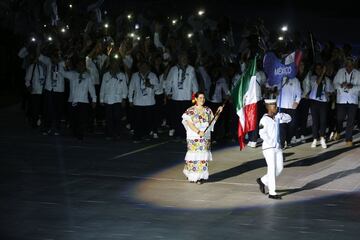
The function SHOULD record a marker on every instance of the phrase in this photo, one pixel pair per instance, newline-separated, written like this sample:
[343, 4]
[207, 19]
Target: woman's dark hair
[199, 93]
[196, 95]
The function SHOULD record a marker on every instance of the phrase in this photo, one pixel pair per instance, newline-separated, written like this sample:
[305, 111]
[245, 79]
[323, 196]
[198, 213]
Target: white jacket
[290, 93]
[80, 87]
[54, 80]
[139, 93]
[113, 88]
[35, 77]
[181, 89]
[344, 95]
[221, 91]
[269, 131]
[327, 88]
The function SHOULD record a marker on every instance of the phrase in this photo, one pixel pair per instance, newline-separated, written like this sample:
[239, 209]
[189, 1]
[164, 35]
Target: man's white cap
[270, 101]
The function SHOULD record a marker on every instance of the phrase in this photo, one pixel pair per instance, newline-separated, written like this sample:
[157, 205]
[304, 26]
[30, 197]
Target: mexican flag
[245, 97]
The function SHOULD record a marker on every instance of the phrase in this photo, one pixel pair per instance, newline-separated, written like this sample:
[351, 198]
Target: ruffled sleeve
[187, 116]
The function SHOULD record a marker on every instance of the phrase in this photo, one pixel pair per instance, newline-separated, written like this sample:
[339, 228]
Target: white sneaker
[302, 139]
[323, 143]
[293, 140]
[128, 126]
[252, 144]
[38, 122]
[132, 131]
[163, 124]
[331, 137]
[314, 143]
[155, 136]
[171, 132]
[151, 133]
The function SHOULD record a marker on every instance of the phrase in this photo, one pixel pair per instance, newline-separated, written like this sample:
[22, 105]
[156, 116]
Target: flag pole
[217, 114]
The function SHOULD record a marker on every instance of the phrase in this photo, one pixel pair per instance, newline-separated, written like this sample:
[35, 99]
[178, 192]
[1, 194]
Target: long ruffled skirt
[196, 160]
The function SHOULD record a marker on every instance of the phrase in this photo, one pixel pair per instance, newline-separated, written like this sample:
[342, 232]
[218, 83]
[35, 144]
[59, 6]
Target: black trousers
[113, 113]
[178, 108]
[79, 116]
[159, 111]
[169, 114]
[331, 118]
[287, 130]
[302, 113]
[143, 121]
[344, 110]
[36, 107]
[99, 111]
[319, 118]
[53, 109]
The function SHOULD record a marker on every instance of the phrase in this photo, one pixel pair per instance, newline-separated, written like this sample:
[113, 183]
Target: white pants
[274, 161]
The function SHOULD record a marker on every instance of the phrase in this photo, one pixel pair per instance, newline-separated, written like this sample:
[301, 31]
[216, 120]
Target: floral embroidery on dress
[198, 148]
[197, 145]
[197, 117]
[196, 166]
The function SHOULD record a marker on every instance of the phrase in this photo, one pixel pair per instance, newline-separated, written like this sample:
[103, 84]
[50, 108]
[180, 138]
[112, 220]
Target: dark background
[338, 22]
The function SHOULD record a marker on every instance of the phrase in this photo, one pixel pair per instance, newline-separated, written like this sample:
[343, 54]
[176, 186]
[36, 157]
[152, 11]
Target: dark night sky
[338, 22]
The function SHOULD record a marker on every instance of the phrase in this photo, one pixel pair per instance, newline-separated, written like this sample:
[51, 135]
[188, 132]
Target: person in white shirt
[261, 81]
[142, 88]
[347, 85]
[320, 89]
[81, 85]
[205, 79]
[167, 111]
[53, 92]
[34, 81]
[302, 111]
[113, 93]
[331, 115]
[181, 84]
[288, 101]
[218, 93]
[97, 62]
[272, 151]
[159, 112]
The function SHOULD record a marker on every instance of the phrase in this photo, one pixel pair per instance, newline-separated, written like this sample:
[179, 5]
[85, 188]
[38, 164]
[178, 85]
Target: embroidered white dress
[198, 148]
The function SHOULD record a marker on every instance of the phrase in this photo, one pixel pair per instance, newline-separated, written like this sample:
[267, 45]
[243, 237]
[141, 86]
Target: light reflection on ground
[308, 174]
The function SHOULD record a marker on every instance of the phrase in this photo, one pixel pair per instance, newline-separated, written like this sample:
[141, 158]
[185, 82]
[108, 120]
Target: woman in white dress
[196, 120]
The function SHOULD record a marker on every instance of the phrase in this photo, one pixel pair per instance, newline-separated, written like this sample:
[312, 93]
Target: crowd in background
[135, 73]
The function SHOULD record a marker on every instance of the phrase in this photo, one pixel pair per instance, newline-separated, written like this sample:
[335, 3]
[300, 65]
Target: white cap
[270, 101]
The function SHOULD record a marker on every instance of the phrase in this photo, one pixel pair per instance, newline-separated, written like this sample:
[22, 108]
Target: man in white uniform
[113, 93]
[53, 92]
[289, 98]
[143, 86]
[269, 132]
[347, 85]
[34, 81]
[81, 85]
[181, 84]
